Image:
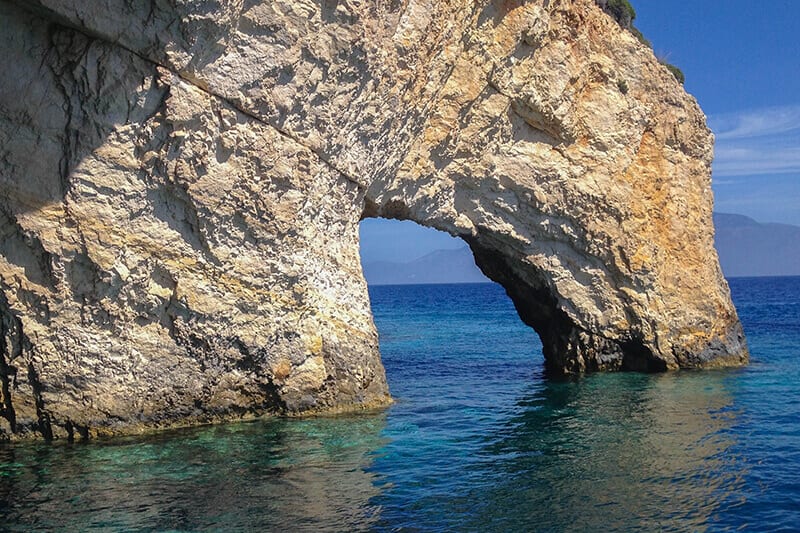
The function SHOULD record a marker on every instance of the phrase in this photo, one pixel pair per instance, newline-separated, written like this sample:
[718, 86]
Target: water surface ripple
[478, 440]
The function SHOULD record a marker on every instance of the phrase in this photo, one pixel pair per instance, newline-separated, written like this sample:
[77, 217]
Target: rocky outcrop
[182, 183]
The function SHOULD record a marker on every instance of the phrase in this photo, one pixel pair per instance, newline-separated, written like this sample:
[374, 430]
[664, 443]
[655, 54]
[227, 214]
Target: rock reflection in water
[266, 475]
[612, 452]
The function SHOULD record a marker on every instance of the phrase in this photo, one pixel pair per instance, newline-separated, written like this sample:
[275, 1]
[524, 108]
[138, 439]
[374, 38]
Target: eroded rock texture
[182, 182]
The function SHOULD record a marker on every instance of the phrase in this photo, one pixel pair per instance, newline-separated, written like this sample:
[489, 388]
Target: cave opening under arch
[437, 313]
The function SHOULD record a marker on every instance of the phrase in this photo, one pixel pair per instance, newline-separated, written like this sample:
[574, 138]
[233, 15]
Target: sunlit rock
[182, 184]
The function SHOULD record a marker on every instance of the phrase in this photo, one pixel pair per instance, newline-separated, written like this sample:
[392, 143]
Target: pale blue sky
[742, 63]
[741, 59]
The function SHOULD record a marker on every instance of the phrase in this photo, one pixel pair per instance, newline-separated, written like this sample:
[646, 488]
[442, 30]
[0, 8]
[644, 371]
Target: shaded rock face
[182, 183]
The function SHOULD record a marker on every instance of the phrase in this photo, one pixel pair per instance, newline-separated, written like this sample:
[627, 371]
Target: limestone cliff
[182, 182]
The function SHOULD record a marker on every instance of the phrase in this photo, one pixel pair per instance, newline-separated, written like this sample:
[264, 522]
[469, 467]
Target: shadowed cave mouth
[397, 252]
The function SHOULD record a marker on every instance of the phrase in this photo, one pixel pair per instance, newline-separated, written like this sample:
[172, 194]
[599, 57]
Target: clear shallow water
[479, 440]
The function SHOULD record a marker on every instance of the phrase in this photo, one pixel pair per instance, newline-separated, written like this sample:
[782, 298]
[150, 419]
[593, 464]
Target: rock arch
[182, 185]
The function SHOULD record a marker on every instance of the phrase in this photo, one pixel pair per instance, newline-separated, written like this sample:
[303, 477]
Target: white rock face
[182, 183]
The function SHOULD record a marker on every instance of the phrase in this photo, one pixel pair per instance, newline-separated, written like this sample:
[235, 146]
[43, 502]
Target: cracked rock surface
[182, 182]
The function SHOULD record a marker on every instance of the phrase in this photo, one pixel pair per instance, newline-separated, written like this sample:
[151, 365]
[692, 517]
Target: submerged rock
[183, 181]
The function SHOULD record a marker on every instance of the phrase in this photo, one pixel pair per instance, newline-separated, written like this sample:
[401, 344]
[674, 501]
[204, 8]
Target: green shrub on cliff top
[678, 73]
[622, 11]
[639, 35]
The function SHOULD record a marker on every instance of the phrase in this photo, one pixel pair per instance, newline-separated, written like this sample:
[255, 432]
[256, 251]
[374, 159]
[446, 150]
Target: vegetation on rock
[678, 73]
[622, 11]
[639, 35]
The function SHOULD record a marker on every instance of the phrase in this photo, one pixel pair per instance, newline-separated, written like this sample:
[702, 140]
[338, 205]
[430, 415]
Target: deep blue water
[478, 440]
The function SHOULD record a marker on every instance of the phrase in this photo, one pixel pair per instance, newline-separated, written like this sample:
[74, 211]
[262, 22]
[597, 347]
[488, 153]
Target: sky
[741, 59]
[742, 63]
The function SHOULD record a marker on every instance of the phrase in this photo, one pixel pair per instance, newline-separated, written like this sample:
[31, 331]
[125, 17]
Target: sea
[479, 439]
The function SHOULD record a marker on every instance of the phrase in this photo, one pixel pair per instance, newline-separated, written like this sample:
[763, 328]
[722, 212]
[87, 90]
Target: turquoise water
[479, 440]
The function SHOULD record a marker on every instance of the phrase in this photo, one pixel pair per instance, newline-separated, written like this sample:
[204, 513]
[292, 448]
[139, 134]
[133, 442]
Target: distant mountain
[749, 248]
[745, 247]
[440, 266]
